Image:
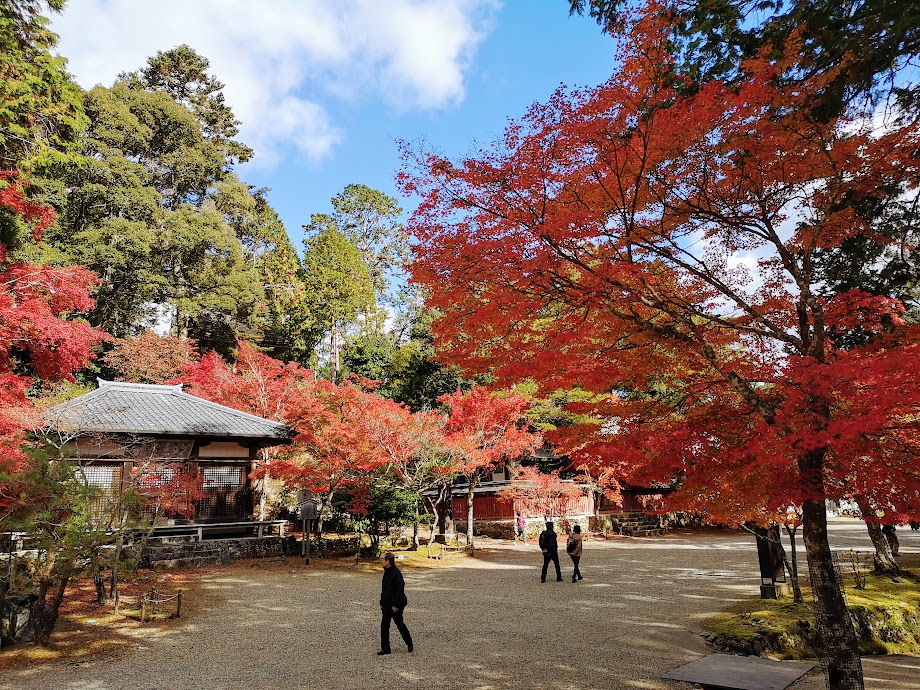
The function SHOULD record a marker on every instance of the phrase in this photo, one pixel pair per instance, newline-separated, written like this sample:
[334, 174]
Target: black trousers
[575, 561]
[554, 557]
[397, 618]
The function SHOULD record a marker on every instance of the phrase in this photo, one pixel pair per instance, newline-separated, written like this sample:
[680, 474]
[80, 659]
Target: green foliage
[370, 356]
[267, 248]
[151, 206]
[378, 509]
[338, 288]
[68, 522]
[336, 279]
[371, 221]
[209, 284]
[40, 106]
[183, 74]
[417, 378]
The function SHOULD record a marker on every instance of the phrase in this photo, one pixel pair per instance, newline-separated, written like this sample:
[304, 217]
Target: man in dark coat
[392, 602]
[550, 549]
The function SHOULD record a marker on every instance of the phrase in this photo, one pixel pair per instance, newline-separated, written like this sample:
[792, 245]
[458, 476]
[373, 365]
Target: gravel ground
[485, 623]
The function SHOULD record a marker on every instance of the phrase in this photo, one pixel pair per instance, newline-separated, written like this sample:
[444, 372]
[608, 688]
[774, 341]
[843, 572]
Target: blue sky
[324, 89]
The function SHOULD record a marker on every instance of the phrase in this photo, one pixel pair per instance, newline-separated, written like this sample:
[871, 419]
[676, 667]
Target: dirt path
[485, 623]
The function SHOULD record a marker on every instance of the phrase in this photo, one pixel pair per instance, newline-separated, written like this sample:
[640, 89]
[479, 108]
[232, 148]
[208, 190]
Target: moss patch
[886, 615]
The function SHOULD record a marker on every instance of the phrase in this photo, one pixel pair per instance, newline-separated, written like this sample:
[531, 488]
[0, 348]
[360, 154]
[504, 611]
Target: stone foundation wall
[192, 554]
[504, 529]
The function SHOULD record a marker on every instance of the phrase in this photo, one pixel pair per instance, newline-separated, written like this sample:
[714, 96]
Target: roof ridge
[103, 383]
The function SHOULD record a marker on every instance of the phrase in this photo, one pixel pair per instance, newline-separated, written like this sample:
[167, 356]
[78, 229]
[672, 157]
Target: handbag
[571, 545]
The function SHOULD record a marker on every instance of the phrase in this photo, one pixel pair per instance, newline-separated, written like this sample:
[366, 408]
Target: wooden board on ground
[740, 672]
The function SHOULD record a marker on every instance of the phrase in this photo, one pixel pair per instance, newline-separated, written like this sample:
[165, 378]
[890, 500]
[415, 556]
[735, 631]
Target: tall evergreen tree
[338, 288]
[40, 106]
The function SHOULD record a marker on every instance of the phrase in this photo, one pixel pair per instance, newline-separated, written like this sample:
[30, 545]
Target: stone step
[656, 532]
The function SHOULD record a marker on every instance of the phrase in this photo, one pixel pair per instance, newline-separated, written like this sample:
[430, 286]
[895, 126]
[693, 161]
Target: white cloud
[283, 61]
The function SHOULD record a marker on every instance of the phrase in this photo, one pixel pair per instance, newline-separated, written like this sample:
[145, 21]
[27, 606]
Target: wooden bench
[440, 551]
[198, 530]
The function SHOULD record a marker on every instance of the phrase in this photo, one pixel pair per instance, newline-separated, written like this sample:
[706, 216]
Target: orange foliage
[602, 244]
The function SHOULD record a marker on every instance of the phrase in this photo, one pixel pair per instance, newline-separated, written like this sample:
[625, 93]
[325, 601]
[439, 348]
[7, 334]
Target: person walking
[520, 528]
[573, 547]
[392, 602]
[550, 548]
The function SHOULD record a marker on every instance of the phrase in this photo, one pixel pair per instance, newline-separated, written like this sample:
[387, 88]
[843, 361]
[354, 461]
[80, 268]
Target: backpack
[571, 545]
[543, 539]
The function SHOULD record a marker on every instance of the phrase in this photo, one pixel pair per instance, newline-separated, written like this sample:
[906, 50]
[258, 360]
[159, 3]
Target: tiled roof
[139, 408]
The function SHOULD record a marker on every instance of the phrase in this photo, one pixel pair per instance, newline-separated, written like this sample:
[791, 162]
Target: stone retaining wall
[192, 554]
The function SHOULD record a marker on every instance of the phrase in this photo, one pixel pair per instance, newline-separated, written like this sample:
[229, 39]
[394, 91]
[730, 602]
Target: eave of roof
[149, 409]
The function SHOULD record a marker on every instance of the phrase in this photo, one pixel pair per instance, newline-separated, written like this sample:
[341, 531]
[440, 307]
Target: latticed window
[222, 477]
[107, 478]
[226, 494]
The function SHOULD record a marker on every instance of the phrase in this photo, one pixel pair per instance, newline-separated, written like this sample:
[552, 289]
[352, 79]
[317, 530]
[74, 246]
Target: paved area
[484, 623]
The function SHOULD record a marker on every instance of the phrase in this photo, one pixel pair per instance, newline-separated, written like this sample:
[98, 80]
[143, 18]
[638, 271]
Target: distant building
[119, 426]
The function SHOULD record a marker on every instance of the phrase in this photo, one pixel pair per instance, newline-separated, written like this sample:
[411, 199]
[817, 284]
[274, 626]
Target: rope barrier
[149, 602]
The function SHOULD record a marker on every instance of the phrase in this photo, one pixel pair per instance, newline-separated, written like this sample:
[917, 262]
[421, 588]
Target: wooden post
[179, 604]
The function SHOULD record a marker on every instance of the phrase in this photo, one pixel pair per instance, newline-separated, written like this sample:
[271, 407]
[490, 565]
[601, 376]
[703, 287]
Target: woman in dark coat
[573, 548]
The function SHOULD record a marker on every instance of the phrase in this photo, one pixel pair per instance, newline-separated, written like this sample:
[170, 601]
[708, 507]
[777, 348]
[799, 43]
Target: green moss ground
[886, 612]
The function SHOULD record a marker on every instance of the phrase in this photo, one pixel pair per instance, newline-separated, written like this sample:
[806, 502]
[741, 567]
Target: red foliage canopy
[489, 426]
[627, 238]
[37, 334]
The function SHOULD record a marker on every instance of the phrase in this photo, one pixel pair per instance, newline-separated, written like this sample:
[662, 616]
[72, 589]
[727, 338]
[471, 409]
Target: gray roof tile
[138, 408]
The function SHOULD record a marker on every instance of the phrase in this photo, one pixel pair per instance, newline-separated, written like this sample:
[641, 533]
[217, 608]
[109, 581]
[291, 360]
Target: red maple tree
[38, 335]
[257, 384]
[332, 447]
[488, 428]
[150, 358]
[418, 453]
[543, 494]
[602, 243]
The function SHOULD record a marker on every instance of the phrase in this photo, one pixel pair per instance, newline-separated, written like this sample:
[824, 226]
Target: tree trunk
[474, 478]
[38, 609]
[415, 538]
[264, 490]
[446, 515]
[4, 588]
[44, 616]
[334, 353]
[327, 501]
[99, 582]
[884, 559]
[116, 558]
[52, 614]
[836, 634]
[435, 516]
[792, 565]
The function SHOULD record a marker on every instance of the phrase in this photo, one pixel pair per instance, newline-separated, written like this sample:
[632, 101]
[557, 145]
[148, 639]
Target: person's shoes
[411, 647]
[542, 580]
[580, 577]
[574, 579]
[383, 651]
[558, 579]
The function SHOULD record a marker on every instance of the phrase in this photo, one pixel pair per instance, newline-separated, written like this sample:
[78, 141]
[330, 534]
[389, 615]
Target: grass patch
[886, 615]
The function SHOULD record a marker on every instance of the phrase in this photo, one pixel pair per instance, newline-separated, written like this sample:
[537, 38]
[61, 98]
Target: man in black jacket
[392, 602]
[550, 549]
